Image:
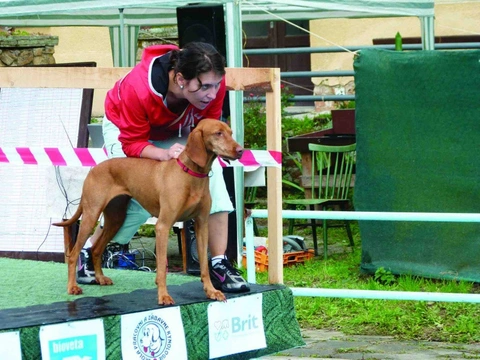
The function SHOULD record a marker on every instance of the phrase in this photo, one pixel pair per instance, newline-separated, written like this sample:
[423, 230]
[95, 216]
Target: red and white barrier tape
[93, 156]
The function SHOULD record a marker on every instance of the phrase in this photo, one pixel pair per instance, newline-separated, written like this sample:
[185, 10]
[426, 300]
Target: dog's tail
[73, 219]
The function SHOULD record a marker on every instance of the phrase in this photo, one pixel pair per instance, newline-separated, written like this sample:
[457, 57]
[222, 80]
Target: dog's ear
[195, 148]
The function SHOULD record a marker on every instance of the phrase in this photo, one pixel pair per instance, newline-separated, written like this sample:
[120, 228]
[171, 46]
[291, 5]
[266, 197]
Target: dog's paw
[104, 280]
[75, 290]
[216, 295]
[165, 300]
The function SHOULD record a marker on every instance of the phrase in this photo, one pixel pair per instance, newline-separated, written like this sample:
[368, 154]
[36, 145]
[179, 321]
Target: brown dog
[171, 190]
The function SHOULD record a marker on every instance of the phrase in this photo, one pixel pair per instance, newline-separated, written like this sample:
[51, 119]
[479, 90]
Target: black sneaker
[226, 278]
[85, 272]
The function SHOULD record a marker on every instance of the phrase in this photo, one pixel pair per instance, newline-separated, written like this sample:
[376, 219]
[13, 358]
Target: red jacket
[138, 110]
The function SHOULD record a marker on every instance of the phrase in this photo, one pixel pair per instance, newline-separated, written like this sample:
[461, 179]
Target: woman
[149, 113]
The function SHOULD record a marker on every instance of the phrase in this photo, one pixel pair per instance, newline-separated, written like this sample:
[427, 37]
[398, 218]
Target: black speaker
[206, 23]
[192, 263]
[202, 22]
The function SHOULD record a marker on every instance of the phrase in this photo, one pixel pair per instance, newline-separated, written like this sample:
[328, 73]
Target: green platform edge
[282, 330]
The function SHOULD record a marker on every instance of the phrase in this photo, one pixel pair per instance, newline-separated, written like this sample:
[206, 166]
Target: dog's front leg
[161, 244]
[201, 229]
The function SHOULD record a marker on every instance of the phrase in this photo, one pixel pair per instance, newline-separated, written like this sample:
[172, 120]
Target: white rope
[299, 27]
[297, 86]
[458, 29]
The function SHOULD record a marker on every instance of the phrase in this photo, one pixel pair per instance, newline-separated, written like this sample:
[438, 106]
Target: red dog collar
[191, 172]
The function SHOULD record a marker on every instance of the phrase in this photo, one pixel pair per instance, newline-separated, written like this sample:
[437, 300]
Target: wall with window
[450, 19]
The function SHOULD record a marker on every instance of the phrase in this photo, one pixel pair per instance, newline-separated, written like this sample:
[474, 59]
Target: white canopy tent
[156, 12]
[131, 14]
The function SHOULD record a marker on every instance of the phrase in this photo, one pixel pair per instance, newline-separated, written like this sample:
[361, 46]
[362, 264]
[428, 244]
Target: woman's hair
[196, 58]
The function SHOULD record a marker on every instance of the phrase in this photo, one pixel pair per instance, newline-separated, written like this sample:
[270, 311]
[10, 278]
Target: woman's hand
[155, 153]
[175, 150]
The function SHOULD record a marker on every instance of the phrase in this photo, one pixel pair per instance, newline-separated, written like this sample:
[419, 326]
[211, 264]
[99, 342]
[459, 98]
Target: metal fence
[360, 215]
[339, 73]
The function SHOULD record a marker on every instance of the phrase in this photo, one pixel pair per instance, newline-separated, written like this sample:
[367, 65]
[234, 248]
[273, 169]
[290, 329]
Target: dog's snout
[239, 151]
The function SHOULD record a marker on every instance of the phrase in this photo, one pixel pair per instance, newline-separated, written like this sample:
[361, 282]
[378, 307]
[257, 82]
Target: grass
[419, 320]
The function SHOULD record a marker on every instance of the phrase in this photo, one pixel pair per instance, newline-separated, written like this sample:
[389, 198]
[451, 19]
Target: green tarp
[418, 142]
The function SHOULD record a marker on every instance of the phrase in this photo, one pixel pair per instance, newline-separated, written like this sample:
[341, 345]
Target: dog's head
[151, 339]
[209, 139]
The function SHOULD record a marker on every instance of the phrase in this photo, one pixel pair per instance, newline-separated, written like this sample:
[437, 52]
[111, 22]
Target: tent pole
[233, 22]
[123, 56]
[428, 33]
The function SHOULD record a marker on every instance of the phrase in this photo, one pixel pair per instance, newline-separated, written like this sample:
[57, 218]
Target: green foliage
[15, 32]
[292, 126]
[20, 33]
[254, 125]
[384, 276]
[147, 230]
[96, 120]
[289, 177]
[255, 122]
[293, 185]
[255, 135]
[346, 105]
[255, 119]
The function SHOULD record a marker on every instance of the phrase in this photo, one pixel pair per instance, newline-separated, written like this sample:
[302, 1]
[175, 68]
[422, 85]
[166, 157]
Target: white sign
[156, 334]
[10, 345]
[79, 340]
[236, 326]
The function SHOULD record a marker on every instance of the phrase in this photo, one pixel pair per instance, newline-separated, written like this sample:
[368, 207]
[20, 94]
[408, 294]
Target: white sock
[88, 244]
[217, 259]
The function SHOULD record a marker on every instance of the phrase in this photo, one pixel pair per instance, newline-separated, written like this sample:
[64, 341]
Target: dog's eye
[219, 133]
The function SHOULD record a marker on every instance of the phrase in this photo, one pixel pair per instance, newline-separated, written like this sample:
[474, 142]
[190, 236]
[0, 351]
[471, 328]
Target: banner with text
[73, 340]
[236, 326]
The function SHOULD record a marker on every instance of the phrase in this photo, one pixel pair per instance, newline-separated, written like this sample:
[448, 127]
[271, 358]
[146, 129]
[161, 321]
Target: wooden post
[274, 183]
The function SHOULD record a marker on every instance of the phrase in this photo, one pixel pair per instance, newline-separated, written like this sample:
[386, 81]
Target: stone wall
[27, 50]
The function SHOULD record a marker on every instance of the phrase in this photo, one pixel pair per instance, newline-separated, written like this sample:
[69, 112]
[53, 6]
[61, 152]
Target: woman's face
[202, 90]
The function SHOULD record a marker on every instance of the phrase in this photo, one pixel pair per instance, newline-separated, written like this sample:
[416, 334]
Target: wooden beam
[104, 78]
[61, 77]
[274, 184]
[249, 79]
